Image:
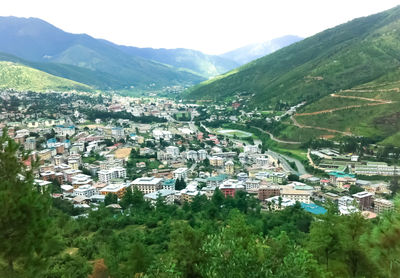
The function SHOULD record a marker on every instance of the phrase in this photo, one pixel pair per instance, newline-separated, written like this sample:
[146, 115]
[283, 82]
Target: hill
[35, 40]
[254, 51]
[196, 61]
[340, 58]
[20, 77]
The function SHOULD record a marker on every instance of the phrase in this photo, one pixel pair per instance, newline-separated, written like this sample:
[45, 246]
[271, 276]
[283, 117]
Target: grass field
[234, 132]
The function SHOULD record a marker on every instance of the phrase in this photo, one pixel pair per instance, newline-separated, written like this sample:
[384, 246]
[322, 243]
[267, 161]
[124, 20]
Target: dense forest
[221, 237]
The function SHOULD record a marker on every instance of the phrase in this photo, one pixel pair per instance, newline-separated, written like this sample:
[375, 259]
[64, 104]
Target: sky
[211, 26]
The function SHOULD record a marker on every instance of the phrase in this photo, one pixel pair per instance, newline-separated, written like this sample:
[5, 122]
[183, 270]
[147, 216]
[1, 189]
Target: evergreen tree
[110, 199]
[24, 219]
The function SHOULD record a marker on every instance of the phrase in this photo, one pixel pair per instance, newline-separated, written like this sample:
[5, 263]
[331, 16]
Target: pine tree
[24, 211]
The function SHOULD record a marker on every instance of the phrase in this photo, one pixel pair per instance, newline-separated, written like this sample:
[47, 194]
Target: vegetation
[220, 237]
[343, 57]
[23, 78]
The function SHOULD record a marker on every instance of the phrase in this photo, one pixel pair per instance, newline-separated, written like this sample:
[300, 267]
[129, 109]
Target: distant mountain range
[101, 64]
[254, 51]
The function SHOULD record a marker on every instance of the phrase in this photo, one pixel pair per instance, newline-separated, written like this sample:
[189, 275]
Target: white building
[252, 184]
[301, 196]
[86, 191]
[191, 155]
[202, 154]
[172, 150]
[147, 184]
[113, 173]
[167, 195]
[251, 149]
[180, 173]
[278, 203]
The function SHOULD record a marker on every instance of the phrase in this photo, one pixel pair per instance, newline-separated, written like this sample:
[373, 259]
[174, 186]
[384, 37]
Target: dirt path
[317, 127]
[377, 102]
[374, 100]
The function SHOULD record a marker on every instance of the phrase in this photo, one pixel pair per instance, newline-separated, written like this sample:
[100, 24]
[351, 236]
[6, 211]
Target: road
[276, 139]
[282, 158]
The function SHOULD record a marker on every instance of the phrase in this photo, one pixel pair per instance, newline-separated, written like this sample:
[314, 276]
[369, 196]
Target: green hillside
[343, 57]
[20, 77]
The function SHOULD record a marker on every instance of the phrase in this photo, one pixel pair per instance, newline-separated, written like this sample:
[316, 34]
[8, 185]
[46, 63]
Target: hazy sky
[212, 26]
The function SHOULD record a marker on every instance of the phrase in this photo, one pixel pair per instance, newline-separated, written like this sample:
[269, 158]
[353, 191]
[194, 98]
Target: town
[93, 148]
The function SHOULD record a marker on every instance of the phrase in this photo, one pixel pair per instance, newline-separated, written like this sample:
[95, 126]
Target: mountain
[35, 40]
[20, 77]
[196, 61]
[254, 51]
[343, 57]
[348, 75]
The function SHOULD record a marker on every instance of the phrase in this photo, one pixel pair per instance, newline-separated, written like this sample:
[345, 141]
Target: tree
[383, 243]
[24, 219]
[324, 237]
[110, 199]
[180, 184]
[355, 189]
[394, 185]
[127, 199]
[185, 248]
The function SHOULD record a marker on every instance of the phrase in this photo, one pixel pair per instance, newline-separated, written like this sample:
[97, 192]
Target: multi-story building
[381, 205]
[81, 179]
[117, 188]
[229, 167]
[262, 161]
[168, 184]
[202, 154]
[114, 173]
[147, 184]
[279, 203]
[180, 173]
[168, 196]
[251, 149]
[268, 191]
[230, 187]
[172, 150]
[364, 199]
[191, 155]
[251, 184]
[86, 190]
[242, 176]
[216, 161]
[30, 144]
[301, 196]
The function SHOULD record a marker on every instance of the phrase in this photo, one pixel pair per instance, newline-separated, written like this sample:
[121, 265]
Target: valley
[276, 159]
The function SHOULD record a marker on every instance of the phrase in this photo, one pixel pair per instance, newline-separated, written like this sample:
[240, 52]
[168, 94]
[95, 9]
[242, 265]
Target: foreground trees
[220, 237]
[24, 211]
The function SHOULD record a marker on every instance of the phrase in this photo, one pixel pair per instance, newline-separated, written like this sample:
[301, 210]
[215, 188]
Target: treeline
[105, 115]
